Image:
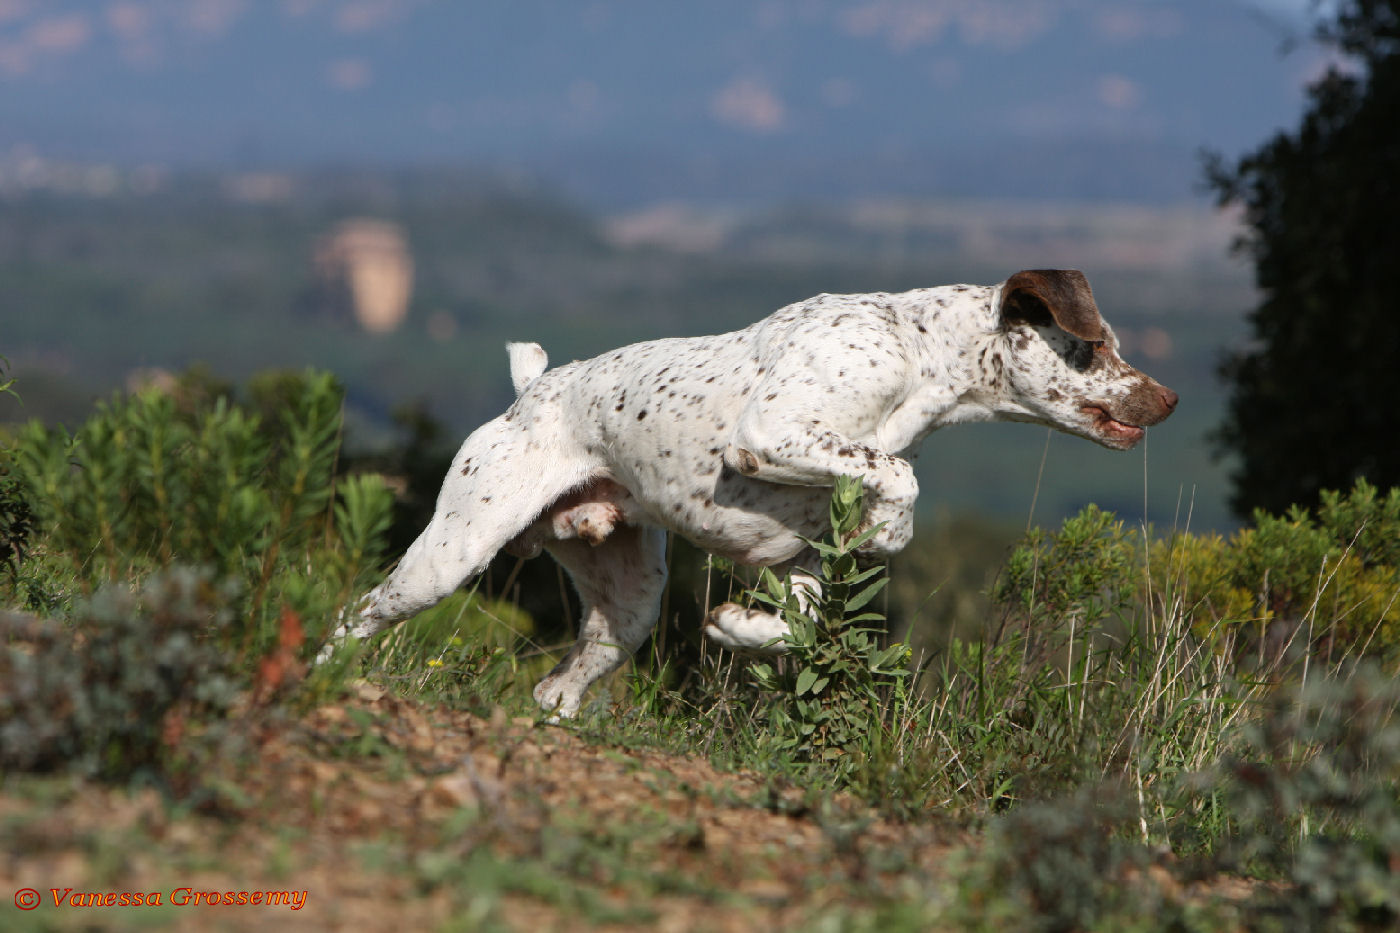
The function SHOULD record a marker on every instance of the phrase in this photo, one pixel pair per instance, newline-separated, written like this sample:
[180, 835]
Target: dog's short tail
[527, 362]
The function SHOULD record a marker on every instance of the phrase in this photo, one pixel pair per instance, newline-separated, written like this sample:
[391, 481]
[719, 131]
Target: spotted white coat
[734, 441]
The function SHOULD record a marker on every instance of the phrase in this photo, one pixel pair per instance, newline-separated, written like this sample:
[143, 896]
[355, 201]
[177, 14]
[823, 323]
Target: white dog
[735, 440]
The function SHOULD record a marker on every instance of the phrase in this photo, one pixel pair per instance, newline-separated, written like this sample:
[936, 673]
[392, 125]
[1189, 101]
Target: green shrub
[837, 680]
[140, 482]
[98, 697]
[16, 522]
[16, 515]
[1059, 865]
[142, 674]
[1092, 671]
[1329, 578]
[1312, 794]
[193, 478]
[1088, 568]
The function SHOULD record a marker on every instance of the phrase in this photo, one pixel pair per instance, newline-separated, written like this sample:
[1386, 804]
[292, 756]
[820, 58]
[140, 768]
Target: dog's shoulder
[881, 309]
[853, 322]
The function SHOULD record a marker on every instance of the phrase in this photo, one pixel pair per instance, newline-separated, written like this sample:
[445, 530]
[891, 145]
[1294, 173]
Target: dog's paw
[554, 696]
[594, 528]
[593, 522]
[749, 630]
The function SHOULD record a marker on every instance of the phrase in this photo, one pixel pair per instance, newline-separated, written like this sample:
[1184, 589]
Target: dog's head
[1064, 370]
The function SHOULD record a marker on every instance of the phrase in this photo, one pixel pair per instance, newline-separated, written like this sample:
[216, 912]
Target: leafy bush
[1312, 793]
[1330, 577]
[1127, 657]
[16, 516]
[191, 477]
[100, 697]
[152, 485]
[837, 679]
[1087, 568]
[1091, 671]
[1062, 864]
[16, 523]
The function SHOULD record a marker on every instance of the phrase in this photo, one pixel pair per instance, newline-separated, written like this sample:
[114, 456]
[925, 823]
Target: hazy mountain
[631, 100]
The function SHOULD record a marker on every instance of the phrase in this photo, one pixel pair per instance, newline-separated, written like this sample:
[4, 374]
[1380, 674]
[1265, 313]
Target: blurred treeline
[97, 292]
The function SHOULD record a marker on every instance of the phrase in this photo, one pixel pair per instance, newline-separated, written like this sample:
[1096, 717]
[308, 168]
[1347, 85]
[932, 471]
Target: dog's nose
[1169, 399]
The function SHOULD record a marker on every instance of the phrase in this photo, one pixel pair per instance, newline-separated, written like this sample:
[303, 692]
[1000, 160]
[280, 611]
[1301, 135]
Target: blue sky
[563, 82]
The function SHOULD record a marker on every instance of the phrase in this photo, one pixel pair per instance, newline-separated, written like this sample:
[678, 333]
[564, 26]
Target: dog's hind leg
[500, 480]
[620, 583]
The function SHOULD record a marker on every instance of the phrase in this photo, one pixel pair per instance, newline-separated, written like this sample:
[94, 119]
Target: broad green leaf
[864, 536]
[866, 574]
[866, 595]
[770, 581]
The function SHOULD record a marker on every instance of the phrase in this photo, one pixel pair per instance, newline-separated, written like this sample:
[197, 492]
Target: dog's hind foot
[591, 513]
[559, 696]
[592, 522]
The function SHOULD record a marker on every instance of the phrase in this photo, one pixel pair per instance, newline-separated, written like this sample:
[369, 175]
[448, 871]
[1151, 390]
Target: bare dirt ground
[391, 815]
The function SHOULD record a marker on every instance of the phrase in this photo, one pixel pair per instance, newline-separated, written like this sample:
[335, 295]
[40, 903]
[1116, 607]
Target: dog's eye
[1097, 345]
[1079, 354]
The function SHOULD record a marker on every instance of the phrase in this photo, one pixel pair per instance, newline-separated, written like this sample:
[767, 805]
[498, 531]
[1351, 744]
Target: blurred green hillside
[219, 270]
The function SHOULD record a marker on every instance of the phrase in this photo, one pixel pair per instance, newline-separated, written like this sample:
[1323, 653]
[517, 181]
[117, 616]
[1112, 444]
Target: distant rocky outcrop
[367, 272]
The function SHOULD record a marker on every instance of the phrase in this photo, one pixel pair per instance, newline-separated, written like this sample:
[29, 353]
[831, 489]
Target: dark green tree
[1315, 398]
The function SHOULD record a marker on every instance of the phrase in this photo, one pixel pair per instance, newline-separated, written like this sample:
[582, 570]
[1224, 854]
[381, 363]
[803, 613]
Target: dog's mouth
[1110, 430]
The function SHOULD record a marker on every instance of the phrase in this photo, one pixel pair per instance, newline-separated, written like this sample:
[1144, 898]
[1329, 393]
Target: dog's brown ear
[1040, 296]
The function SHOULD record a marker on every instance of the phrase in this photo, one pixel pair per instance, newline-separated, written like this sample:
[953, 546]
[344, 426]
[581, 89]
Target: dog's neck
[964, 346]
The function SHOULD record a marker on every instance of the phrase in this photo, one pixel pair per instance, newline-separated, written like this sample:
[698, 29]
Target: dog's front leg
[775, 444]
